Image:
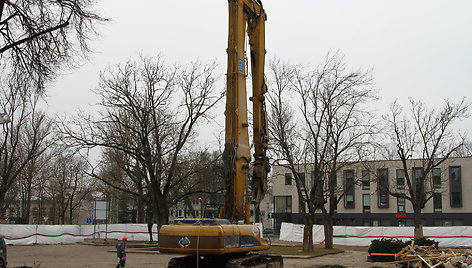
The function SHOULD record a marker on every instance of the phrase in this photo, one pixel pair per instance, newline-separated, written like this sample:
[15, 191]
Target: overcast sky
[420, 49]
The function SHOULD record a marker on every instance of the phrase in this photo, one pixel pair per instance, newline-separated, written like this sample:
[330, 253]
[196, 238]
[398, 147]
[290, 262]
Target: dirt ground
[78, 255]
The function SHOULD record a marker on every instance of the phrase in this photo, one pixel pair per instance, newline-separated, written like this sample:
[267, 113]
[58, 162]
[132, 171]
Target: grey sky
[421, 49]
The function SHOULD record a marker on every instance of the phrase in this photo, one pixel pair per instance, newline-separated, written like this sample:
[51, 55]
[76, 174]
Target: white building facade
[366, 204]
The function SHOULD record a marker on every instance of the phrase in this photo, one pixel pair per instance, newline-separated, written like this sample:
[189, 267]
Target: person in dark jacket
[121, 252]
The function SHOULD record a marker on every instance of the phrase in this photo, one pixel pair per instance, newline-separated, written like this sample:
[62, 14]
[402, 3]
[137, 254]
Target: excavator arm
[245, 16]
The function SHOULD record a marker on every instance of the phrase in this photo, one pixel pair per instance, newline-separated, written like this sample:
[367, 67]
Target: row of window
[283, 204]
[349, 183]
[183, 213]
[401, 203]
[382, 173]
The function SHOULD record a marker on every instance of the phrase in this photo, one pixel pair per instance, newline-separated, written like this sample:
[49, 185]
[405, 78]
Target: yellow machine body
[210, 237]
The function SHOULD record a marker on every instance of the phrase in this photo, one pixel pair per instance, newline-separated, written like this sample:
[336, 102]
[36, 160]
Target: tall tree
[67, 184]
[287, 142]
[31, 182]
[334, 124]
[150, 112]
[37, 37]
[427, 135]
[25, 138]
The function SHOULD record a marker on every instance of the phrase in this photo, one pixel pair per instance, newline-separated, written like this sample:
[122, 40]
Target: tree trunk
[308, 233]
[27, 207]
[418, 222]
[257, 213]
[328, 231]
[140, 210]
[70, 212]
[2, 202]
[162, 209]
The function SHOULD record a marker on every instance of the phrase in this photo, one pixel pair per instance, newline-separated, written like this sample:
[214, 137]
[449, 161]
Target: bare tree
[287, 145]
[427, 135]
[25, 138]
[31, 184]
[37, 37]
[67, 184]
[150, 114]
[334, 125]
[122, 172]
[465, 150]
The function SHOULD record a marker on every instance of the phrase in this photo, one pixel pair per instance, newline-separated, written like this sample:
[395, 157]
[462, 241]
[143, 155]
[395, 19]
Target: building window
[436, 178]
[400, 178]
[349, 193]
[366, 203]
[318, 187]
[365, 180]
[418, 182]
[437, 202]
[43, 212]
[401, 205]
[283, 204]
[382, 188]
[301, 176]
[455, 186]
[288, 178]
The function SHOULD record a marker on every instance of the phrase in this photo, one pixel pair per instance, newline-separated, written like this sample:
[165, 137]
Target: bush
[425, 242]
[384, 245]
[394, 246]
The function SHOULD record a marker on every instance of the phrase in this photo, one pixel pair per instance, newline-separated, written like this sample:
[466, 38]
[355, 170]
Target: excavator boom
[245, 16]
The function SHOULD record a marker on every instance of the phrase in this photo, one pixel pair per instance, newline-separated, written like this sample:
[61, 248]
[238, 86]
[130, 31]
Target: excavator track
[256, 261]
[228, 261]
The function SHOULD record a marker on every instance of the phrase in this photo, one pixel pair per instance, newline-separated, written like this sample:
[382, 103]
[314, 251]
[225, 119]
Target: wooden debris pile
[419, 256]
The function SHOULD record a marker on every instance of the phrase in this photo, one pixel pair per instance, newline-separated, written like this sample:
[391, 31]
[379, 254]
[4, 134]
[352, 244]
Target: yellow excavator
[231, 241]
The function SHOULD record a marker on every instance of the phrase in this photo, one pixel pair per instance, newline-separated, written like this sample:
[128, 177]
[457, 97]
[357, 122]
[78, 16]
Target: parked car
[3, 253]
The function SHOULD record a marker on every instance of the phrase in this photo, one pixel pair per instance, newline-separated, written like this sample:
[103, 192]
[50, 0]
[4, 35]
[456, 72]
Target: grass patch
[297, 251]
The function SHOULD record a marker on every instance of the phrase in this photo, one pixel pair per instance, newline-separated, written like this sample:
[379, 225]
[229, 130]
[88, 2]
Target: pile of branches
[430, 257]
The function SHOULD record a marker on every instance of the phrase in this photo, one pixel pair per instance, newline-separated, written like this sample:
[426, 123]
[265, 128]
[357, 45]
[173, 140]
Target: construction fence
[448, 236]
[453, 236]
[57, 234]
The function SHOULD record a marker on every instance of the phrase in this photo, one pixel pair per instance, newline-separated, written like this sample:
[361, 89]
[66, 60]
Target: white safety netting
[56, 234]
[450, 236]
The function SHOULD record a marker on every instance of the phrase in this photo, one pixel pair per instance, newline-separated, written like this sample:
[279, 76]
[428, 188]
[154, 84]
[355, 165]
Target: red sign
[400, 216]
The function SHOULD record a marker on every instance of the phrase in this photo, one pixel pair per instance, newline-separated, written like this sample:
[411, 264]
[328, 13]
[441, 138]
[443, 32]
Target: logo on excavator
[184, 242]
[240, 64]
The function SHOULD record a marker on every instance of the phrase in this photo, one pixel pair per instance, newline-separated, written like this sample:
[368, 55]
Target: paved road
[76, 255]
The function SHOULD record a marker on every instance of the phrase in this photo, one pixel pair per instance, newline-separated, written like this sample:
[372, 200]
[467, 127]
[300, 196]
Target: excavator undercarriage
[228, 261]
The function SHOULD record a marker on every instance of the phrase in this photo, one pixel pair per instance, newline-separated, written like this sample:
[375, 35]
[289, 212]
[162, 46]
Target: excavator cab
[212, 211]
